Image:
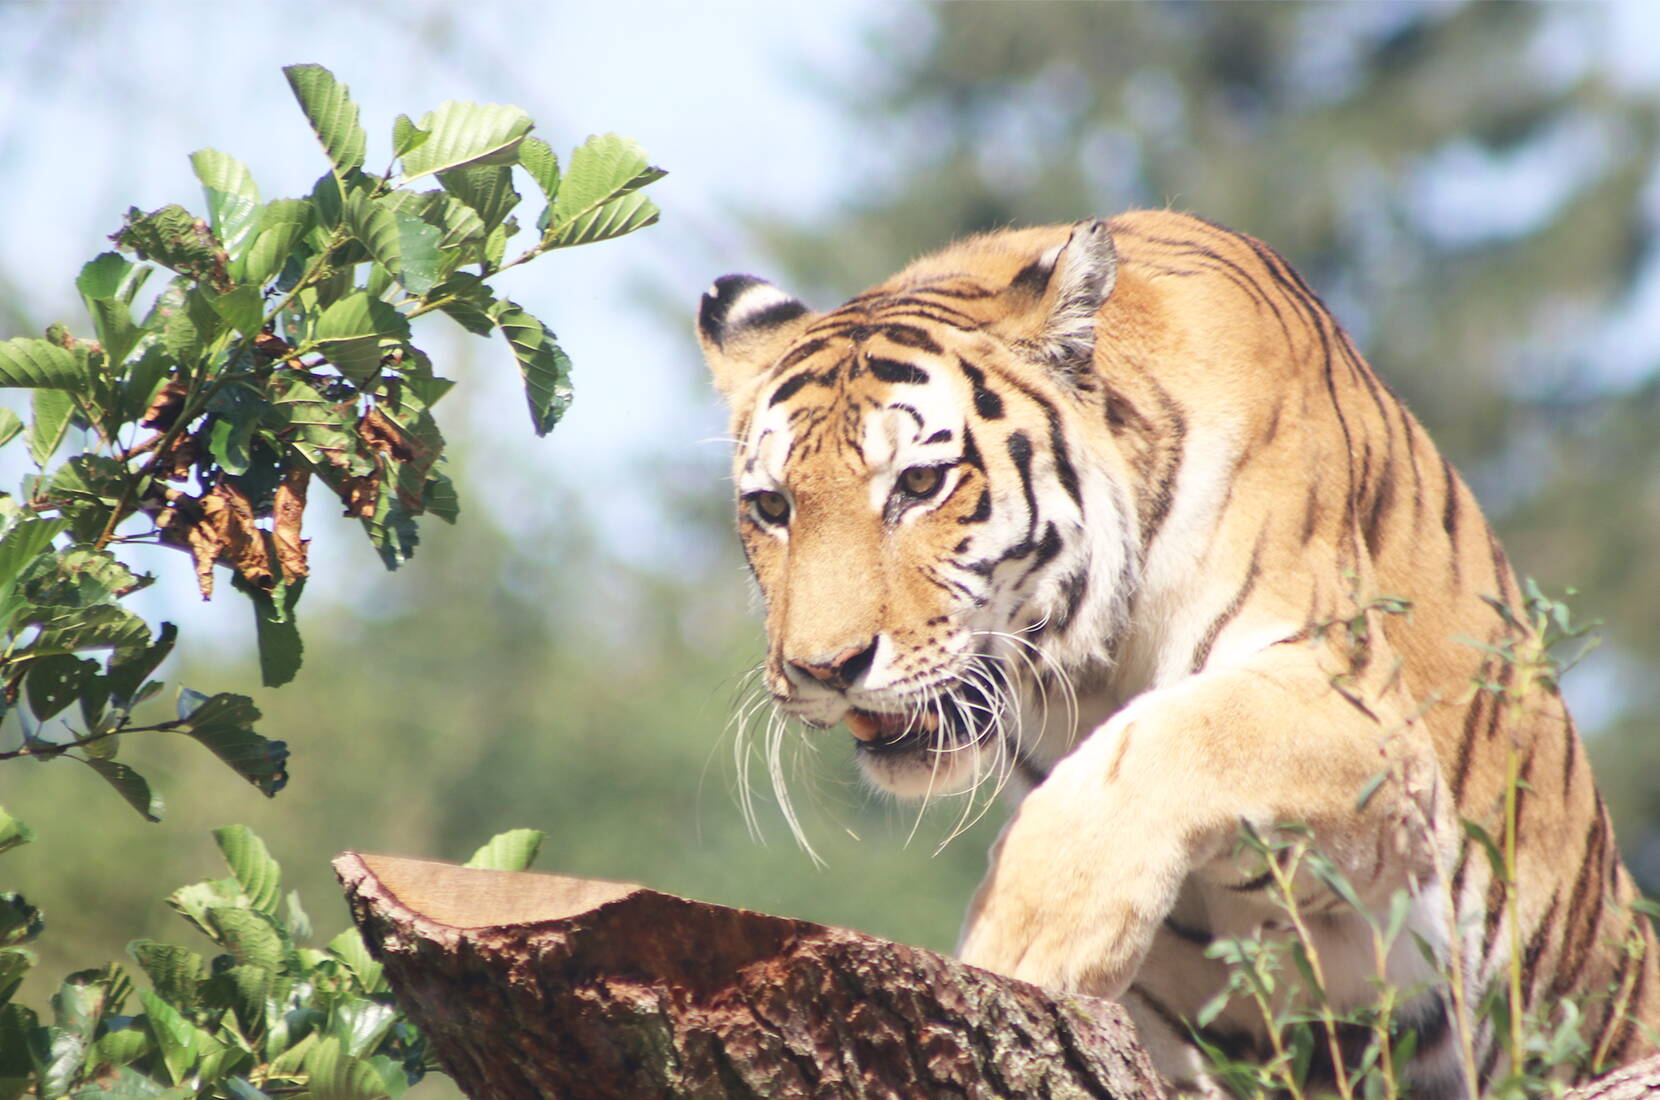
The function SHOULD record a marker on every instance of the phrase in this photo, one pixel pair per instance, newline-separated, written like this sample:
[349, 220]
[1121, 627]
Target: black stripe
[1201, 653]
[790, 387]
[800, 352]
[941, 436]
[986, 402]
[1064, 470]
[1200, 937]
[911, 336]
[982, 510]
[893, 371]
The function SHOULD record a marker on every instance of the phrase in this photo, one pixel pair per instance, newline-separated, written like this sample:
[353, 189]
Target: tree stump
[534, 986]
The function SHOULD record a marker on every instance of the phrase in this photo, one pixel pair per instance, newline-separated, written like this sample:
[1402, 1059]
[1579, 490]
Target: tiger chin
[1115, 516]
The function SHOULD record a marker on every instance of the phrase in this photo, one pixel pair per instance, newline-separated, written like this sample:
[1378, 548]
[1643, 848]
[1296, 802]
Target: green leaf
[175, 1037]
[542, 163]
[177, 973]
[22, 1049]
[250, 862]
[20, 922]
[232, 197]
[119, 1046]
[55, 682]
[281, 648]
[246, 991]
[196, 901]
[130, 786]
[224, 723]
[25, 541]
[13, 833]
[32, 363]
[130, 671]
[250, 936]
[282, 225]
[487, 188]
[328, 106]
[243, 308]
[356, 331]
[466, 133]
[53, 411]
[15, 963]
[103, 282]
[542, 363]
[299, 924]
[401, 242]
[10, 425]
[406, 136]
[322, 431]
[470, 304]
[513, 850]
[348, 948]
[176, 238]
[336, 1075]
[360, 1024]
[596, 197]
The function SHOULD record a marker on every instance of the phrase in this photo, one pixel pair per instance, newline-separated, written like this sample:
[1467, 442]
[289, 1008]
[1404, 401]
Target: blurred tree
[1469, 186]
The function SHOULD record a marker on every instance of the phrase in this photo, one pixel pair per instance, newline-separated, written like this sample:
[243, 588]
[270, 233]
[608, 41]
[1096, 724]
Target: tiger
[1114, 516]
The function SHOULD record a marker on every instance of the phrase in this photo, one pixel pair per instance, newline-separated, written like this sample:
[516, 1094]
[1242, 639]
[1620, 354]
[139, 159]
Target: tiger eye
[921, 481]
[773, 507]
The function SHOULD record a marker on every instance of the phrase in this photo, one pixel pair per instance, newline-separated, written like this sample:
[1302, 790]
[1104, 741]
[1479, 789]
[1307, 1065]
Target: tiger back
[1115, 517]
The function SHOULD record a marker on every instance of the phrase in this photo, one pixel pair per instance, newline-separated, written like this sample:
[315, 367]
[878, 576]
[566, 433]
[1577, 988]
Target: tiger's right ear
[744, 325]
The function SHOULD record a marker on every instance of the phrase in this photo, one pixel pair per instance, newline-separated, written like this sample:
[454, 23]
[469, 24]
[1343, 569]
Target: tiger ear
[1054, 299]
[743, 325]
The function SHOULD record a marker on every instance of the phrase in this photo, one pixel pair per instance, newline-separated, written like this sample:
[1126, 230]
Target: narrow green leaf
[195, 902]
[224, 724]
[23, 1050]
[246, 990]
[299, 924]
[356, 331]
[466, 133]
[319, 429]
[542, 163]
[232, 197]
[282, 225]
[335, 1075]
[10, 425]
[129, 671]
[173, 1034]
[13, 833]
[31, 363]
[328, 106]
[130, 786]
[15, 964]
[513, 850]
[542, 363]
[250, 862]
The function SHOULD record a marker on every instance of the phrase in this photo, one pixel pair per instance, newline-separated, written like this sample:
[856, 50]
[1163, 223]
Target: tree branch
[540, 985]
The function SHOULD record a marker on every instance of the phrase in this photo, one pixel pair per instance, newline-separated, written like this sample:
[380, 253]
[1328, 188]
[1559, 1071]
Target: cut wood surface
[533, 985]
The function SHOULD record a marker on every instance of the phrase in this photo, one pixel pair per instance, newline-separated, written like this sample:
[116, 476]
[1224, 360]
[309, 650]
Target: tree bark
[1638, 1080]
[537, 986]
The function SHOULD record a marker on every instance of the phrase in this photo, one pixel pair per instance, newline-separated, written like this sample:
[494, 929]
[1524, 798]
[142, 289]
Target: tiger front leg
[1093, 860]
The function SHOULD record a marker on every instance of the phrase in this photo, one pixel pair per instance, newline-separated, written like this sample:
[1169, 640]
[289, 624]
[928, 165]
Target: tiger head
[928, 497]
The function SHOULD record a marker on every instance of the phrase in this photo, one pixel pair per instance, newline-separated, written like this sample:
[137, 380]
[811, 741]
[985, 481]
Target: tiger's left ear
[744, 325]
[1054, 299]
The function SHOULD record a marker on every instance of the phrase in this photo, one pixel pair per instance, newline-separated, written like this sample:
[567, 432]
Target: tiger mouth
[963, 718]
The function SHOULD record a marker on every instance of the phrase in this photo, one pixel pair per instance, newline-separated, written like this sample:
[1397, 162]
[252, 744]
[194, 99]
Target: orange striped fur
[1115, 516]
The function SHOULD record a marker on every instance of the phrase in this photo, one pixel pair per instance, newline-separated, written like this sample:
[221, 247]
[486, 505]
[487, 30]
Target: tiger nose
[842, 670]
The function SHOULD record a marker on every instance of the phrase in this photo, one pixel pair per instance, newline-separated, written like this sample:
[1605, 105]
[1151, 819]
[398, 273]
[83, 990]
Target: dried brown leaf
[243, 547]
[286, 515]
[165, 407]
